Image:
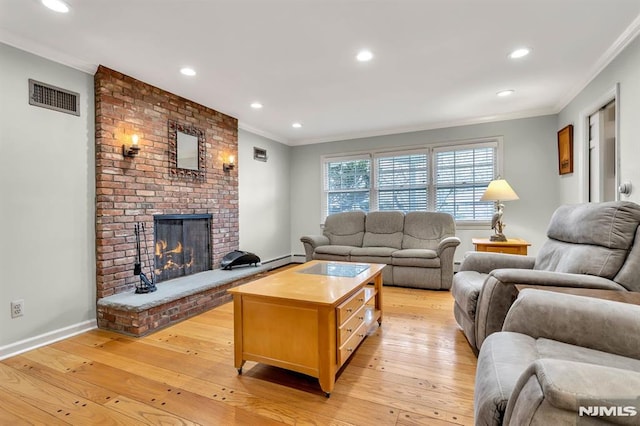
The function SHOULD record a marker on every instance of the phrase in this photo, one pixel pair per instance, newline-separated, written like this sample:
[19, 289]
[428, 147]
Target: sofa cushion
[416, 257]
[558, 256]
[611, 224]
[373, 251]
[372, 254]
[590, 238]
[345, 229]
[383, 229]
[334, 250]
[425, 230]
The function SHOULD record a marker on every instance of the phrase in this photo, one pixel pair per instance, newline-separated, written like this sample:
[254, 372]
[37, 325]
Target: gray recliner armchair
[593, 245]
[561, 359]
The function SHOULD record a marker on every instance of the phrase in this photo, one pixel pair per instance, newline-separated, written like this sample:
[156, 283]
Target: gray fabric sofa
[417, 247]
[556, 353]
[593, 245]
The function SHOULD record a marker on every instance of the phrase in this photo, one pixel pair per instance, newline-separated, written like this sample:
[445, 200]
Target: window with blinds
[448, 179]
[347, 184]
[401, 182]
[461, 177]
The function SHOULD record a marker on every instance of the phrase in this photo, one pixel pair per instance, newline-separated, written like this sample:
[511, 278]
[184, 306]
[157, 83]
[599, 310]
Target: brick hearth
[181, 298]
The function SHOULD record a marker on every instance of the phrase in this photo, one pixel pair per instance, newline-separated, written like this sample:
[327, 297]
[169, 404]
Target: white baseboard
[31, 343]
[298, 258]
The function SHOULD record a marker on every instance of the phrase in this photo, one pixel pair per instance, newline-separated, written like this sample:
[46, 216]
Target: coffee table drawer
[347, 329]
[351, 344]
[351, 305]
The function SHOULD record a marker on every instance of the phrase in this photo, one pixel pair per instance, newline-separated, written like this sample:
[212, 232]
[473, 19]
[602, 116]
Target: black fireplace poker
[146, 285]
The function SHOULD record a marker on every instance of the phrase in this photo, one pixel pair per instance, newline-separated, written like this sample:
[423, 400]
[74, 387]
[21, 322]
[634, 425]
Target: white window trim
[430, 149]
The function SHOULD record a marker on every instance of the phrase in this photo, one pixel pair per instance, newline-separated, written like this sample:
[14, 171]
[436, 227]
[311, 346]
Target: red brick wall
[130, 190]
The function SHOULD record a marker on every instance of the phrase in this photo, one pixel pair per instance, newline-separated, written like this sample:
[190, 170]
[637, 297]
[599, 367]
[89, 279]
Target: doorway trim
[612, 94]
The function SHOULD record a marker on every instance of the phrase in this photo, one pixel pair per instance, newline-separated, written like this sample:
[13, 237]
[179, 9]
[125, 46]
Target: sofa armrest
[310, 242]
[599, 324]
[553, 391]
[498, 293]
[555, 279]
[446, 251]
[485, 262]
[449, 242]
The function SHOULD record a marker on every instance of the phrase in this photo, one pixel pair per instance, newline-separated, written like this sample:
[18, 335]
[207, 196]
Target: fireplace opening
[181, 245]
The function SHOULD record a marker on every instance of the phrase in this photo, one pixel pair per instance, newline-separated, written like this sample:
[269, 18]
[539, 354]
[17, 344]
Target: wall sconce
[132, 150]
[230, 165]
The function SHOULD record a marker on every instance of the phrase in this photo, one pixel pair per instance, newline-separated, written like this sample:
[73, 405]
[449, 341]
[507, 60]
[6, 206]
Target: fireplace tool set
[146, 285]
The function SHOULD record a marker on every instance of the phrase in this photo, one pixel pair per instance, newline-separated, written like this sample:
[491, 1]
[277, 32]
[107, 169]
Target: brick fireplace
[132, 190]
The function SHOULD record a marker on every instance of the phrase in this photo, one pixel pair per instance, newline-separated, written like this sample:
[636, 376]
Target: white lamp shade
[499, 190]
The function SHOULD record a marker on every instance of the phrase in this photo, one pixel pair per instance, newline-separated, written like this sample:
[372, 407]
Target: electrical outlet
[17, 308]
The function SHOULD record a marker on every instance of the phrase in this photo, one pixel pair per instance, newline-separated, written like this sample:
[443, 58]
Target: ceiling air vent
[55, 98]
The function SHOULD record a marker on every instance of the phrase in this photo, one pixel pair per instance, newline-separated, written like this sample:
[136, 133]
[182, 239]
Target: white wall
[46, 204]
[530, 166]
[264, 197]
[625, 70]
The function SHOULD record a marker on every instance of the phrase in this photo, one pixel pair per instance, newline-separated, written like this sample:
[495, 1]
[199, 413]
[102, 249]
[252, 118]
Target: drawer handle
[361, 300]
[349, 349]
[349, 330]
[360, 335]
[360, 318]
[349, 309]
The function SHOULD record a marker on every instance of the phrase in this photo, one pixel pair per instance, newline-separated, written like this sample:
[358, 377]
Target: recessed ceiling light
[296, 125]
[188, 71]
[364, 56]
[56, 5]
[504, 93]
[256, 105]
[519, 53]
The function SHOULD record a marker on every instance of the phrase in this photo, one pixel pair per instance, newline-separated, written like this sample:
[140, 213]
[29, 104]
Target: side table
[511, 246]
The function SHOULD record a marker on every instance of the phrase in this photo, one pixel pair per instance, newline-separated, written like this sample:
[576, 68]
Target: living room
[48, 168]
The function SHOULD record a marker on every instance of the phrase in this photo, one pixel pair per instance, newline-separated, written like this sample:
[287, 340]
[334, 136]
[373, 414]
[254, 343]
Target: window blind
[461, 177]
[347, 184]
[401, 182]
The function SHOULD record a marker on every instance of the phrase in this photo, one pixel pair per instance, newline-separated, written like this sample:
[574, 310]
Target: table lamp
[498, 190]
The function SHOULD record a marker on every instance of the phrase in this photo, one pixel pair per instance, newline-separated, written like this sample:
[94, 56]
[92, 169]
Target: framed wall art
[565, 150]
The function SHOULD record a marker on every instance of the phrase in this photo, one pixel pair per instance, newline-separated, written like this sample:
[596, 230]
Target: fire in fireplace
[181, 245]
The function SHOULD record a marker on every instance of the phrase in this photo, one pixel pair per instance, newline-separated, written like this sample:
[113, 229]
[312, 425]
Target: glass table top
[336, 269]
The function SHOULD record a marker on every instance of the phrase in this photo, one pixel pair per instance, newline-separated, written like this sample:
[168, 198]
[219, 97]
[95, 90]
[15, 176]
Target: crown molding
[427, 126]
[38, 49]
[627, 36]
[256, 131]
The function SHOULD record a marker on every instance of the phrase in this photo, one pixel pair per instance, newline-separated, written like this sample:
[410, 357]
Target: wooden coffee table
[309, 318]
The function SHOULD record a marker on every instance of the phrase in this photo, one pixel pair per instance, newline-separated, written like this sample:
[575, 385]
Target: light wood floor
[417, 368]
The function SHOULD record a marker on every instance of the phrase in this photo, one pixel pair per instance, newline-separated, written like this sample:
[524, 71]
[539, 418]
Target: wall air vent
[259, 154]
[55, 98]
